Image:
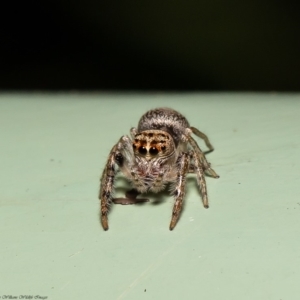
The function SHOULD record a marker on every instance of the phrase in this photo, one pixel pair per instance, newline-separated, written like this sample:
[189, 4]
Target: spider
[160, 151]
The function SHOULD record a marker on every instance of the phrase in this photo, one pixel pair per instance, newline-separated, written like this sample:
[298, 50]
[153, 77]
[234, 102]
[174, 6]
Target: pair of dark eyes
[153, 150]
[143, 150]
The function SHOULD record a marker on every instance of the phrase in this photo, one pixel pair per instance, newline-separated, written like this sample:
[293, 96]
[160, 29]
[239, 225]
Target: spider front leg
[114, 160]
[107, 185]
[183, 168]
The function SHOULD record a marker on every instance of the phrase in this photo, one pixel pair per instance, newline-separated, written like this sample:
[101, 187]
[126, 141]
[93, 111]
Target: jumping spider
[160, 151]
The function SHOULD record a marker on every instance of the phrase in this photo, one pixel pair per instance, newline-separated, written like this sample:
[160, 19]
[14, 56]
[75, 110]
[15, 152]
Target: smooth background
[245, 246]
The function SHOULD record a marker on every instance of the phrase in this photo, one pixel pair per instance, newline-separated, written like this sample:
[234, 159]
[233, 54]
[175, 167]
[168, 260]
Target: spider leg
[133, 132]
[204, 137]
[201, 157]
[183, 168]
[114, 160]
[200, 177]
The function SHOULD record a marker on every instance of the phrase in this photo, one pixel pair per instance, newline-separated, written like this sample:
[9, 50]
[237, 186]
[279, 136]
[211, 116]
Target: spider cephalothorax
[160, 151]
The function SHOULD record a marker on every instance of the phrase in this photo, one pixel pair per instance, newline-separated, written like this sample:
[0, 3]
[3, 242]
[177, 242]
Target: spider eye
[163, 148]
[143, 150]
[153, 151]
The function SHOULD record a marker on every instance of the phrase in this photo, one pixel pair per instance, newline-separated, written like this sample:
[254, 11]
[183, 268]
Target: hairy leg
[183, 168]
[198, 169]
[114, 160]
[203, 136]
[198, 152]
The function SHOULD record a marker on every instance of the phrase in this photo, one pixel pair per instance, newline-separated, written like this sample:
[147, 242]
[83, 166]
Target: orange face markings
[150, 143]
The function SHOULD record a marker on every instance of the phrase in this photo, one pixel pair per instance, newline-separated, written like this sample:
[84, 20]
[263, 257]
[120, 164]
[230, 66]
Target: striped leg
[183, 168]
[198, 169]
[201, 158]
[204, 137]
[114, 160]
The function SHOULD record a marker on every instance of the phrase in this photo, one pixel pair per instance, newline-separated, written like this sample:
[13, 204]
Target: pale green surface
[246, 246]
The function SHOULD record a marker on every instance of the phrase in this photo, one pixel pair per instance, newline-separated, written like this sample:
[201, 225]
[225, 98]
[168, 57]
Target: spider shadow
[159, 197]
[153, 198]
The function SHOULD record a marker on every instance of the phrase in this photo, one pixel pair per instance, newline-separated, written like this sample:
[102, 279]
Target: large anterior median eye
[153, 151]
[143, 150]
